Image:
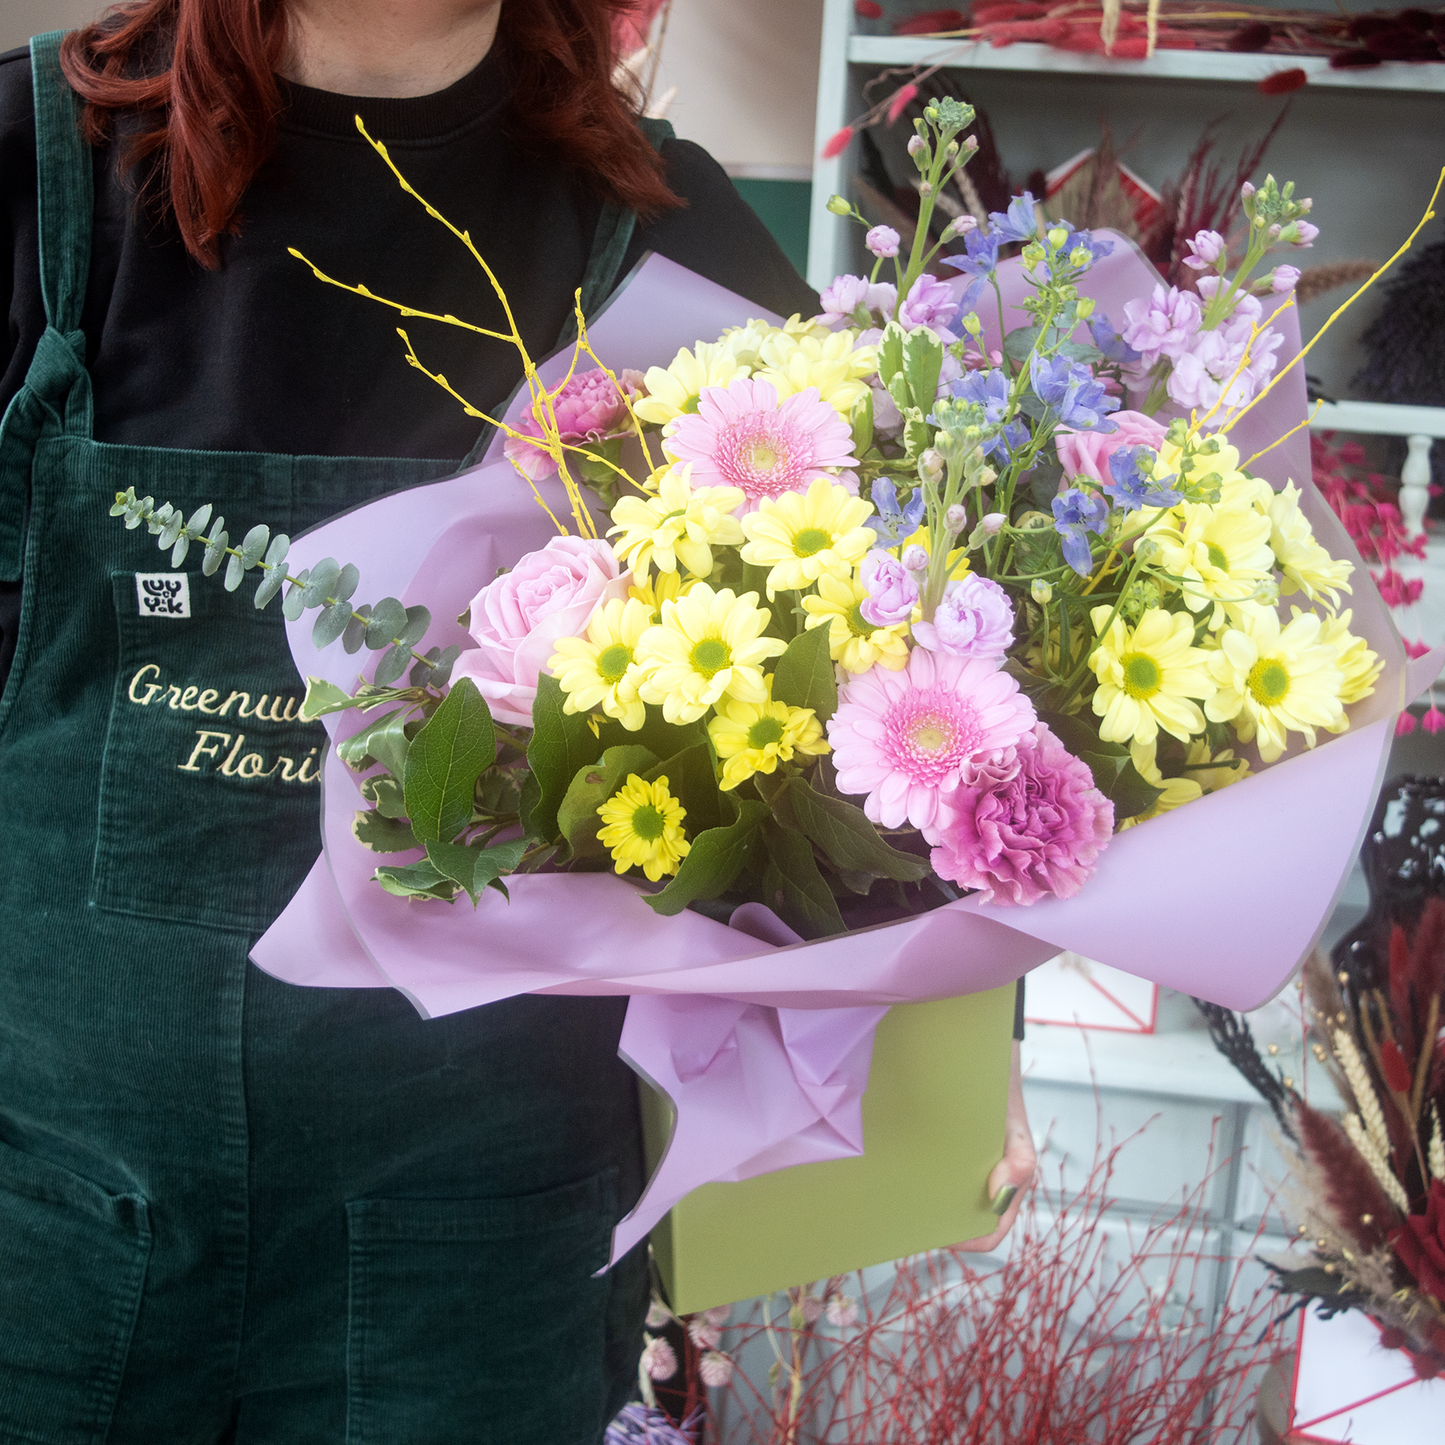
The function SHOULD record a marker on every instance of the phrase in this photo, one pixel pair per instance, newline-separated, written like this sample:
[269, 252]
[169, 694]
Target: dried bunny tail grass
[1372, 1156]
[1437, 1146]
[1316, 281]
[1339, 1180]
[1363, 1090]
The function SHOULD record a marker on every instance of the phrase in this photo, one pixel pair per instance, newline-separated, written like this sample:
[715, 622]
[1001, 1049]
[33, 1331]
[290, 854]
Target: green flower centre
[690, 405]
[647, 823]
[766, 730]
[762, 457]
[1268, 682]
[613, 662]
[1217, 557]
[859, 625]
[811, 540]
[1141, 675]
[710, 656]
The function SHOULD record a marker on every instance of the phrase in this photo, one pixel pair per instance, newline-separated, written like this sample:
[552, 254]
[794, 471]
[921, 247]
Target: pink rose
[1087, 453]
[517, 620]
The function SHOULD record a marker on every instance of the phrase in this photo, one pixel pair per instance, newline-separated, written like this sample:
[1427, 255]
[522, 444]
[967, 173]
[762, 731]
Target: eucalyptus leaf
[270, 585]
[346, 584]
[170, 532]
[295, 603]
[392, 665]
[714, 861]
[197, 525]
[235, 570]
[178, 552]
[418, 619]
[276, 552]
[355, 633]
[331, 622]
[591, 786]
[324, 576]
[388, 618]
[452, 750]
[253, 546]
[442, 670]
[373, 829]
[804, 675]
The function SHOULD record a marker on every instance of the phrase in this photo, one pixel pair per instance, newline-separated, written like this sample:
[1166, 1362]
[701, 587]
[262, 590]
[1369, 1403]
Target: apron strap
[56, 391]
[615, 229]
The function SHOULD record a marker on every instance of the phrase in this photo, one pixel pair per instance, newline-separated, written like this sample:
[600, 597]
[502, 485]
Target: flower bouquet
[897, 624]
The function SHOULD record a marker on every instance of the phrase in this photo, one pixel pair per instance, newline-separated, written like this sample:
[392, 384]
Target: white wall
[20, 19]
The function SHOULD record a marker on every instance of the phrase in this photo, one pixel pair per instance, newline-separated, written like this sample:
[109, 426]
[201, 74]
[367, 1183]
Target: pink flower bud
[1305, 233]
[704, 1335]
[916, 144]
[718, 1314]
[812, 1308]
[657, 1315]
[1284, 279]
[838, 143]
[915, 559]
[842, 1310]
[955, 518]
[970, 142]
[882, 241]
[992, 523]
[1246, 190]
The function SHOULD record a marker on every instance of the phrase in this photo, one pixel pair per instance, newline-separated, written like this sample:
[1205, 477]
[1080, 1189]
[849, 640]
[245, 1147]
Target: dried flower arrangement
[1060, 1343]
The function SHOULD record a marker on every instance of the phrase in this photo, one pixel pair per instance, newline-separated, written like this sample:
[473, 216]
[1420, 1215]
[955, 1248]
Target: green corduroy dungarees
[230, 1208]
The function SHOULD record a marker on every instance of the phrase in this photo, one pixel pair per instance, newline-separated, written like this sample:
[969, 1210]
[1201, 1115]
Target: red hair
[198, 76]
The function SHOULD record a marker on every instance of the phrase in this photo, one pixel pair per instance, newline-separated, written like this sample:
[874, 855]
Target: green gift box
[933, 1125]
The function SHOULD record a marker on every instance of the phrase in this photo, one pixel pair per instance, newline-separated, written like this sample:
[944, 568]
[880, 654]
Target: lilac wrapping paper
[761, 1041]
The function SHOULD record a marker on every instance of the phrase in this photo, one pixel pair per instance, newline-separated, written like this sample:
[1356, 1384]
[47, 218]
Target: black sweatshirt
[261, 356]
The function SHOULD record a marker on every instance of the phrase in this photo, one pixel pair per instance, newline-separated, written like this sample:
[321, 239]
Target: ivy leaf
[890, 353]
[452, 750]
[373, 829]
[561, 744]
[792, 886]
[843, 833]
[804, 675]
[389, 744]
[355, 751]
[922, 362]
[714, 861]
[384, 792]
[323, 697]
[591, 786]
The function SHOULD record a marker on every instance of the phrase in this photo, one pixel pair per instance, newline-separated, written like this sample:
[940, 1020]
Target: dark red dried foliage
[1351, 1190]
[1282, 82]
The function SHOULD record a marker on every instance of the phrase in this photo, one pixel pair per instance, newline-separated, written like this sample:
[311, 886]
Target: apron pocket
[72, 1267]
[479, 1319]
[210, 786]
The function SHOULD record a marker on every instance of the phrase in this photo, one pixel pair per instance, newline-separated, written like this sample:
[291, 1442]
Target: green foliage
[692, 779]
[321, 698]
[446, 757]
[561, 744]
[591, 786]
[842, 833]
[384, 793]
[793, 887]
[804, 675]
[1115, 775]
[922, 362]
[714, 862]
[375, 830]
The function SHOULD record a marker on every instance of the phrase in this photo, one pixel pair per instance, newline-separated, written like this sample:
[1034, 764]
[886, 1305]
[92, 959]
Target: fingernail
[1003, 1199]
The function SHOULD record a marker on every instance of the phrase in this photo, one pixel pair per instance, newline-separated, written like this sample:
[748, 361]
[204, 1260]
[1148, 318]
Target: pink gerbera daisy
[910, 739]
[741, 437]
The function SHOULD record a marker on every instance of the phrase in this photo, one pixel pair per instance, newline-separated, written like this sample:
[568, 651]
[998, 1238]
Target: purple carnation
[892, 589]
[1162, 325]
[930, 302]
[974, 619]
[1036, 835]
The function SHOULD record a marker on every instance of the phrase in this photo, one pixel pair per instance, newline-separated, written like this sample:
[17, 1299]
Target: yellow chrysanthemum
[802, 538]
[1275, 680]
[832, 364]
[1174, 792]
[1214, 554]
[602, 668]
[682, 523]
[754, 737]
[1213, 462]
[674, 389]
[1307, 567]
[1360, 665]
[745, 343]
[709, 645]
[853, 641]
[642, 828]
[1150, 677]
[657, 589]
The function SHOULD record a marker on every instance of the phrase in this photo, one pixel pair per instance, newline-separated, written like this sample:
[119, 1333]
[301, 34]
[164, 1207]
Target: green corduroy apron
[231, 1209]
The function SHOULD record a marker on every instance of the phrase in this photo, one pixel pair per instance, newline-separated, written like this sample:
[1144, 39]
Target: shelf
[1380, 418]
[1222, 67]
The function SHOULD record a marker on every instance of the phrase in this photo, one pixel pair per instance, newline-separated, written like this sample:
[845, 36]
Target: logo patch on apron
[163, 594]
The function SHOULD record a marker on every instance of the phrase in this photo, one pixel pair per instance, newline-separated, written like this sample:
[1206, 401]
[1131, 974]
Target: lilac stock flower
[1077, 513]
[894, 523]
[1019, 222]
[1131, 481]
[1110, 342]
[1162, 325]
[1069, 388]
[1204, 369]
[989, 390]
[930, 302]
[974, 619]
[845, 294]
[1284, 278]
[1305, 233]
[1208, 247]
[892, 589]
[882, 241]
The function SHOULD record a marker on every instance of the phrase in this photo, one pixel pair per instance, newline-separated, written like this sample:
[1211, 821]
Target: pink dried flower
[704, 1335]
[1162, 325]
[837, 142]
[1087, 453]
[659, 1360]
[910, 739]
[882, 241]
[930, 302]
[892, 589]
[715, 1369]
[741, 437]
[1404, 724]
[718, 1314]
[974, 619]
[1433, 720]
[812, 1308]
[657, 1315]
[588, 408]
[845, 294]
[900, 102]
[1038, 835]
[1208, 247]
[842, 1310]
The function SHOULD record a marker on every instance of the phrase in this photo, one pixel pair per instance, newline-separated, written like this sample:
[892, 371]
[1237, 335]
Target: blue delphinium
[1133, 484]
[1077, 513]
[989, 390]
[979, 260]
[1110, 342]
[894, 523]
[1069, 388]
[1018, 223]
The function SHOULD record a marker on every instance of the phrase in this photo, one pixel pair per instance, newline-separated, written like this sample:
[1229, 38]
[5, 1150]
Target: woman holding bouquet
[233, 1209]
